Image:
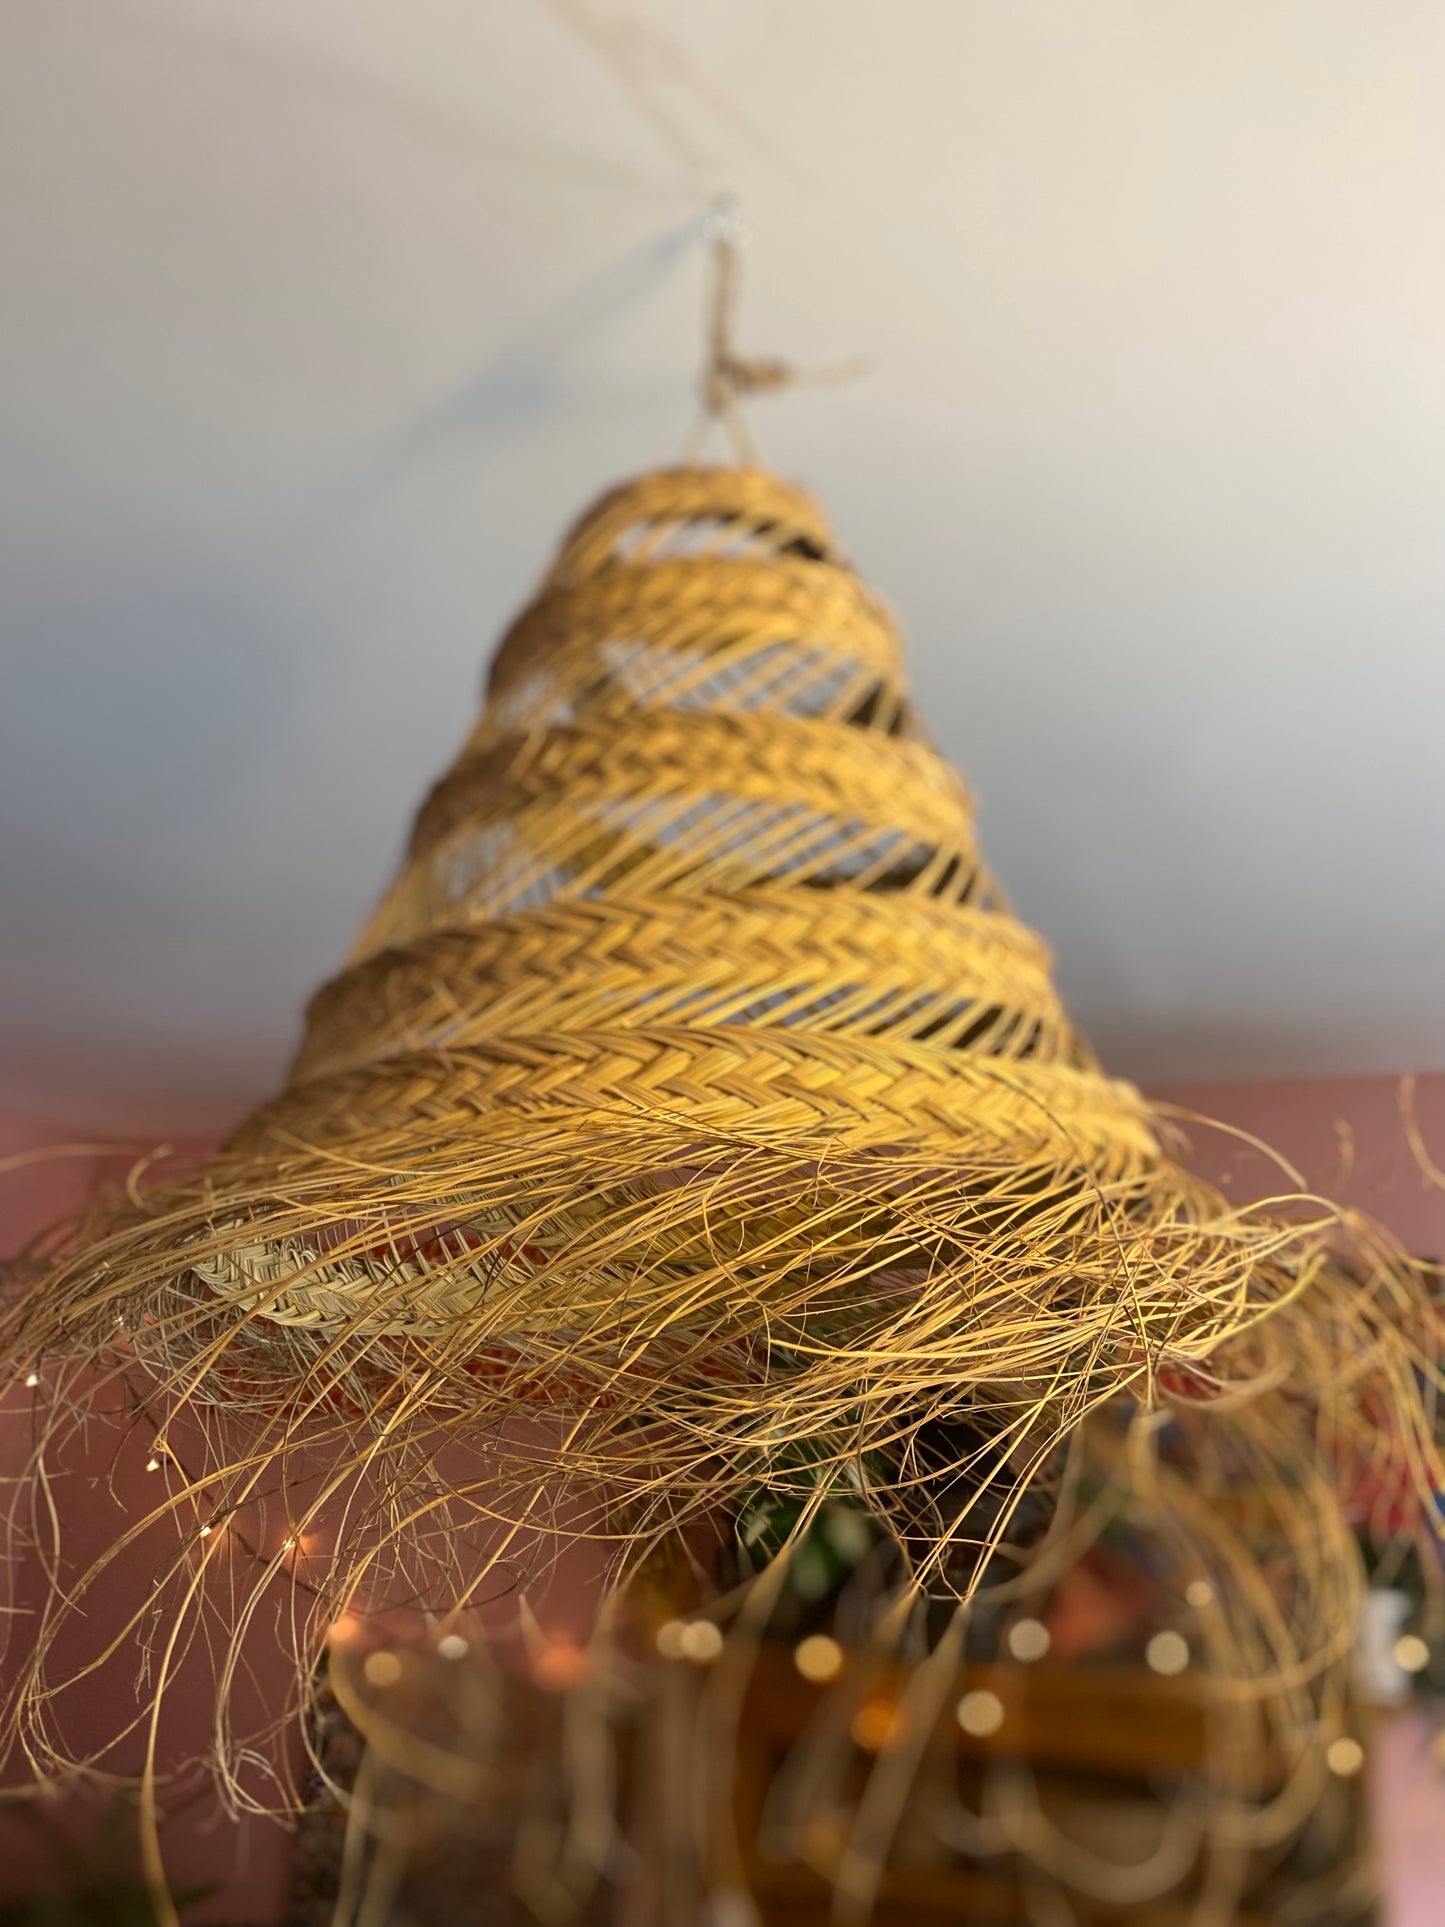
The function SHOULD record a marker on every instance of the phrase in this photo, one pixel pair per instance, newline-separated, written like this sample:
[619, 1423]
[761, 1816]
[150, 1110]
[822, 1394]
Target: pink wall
[1347, 1139]
[1346, 1136]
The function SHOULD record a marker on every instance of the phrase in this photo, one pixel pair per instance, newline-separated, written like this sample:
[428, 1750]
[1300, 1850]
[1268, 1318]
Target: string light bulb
[1410, 1653]
[877, 1726]
[559, 1666]
[1029, 1640]
[1167, 1654]
[32, 1379]
[701, 1642]
[669, 1638]
[980, 1713]
[382, 1669]
[695, 1639]
[818, 1658]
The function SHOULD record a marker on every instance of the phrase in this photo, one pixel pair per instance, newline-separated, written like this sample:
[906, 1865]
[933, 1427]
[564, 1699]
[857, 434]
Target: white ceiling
[320, 318]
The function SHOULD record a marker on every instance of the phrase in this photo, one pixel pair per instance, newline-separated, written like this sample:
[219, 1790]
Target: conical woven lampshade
[694, 1115]
[697, 906]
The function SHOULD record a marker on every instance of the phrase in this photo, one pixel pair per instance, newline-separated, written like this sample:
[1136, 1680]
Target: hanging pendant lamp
[693, 1120]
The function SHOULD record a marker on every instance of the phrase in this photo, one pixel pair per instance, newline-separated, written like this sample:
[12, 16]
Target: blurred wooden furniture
[1098, 1750]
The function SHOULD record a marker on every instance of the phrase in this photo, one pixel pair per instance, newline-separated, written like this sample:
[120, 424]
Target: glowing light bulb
[153, 1465]
[1029, 1640]
[382, 1669]
[669, 1638]
[559, 1666]
[206, 1531]
[876, 1726]
[1410, 1653]
[1167, 1654]
[818, 1658]
[32, 1379]
[453, 1646]
[1344, 1757]
[701, 1642]
[980, 1713]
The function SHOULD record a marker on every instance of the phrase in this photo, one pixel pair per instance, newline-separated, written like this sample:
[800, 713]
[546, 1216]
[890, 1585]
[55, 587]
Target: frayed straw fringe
[693, 1117]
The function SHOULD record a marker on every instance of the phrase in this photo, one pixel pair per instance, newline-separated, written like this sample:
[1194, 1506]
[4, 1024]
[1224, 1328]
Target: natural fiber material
[693, 1097]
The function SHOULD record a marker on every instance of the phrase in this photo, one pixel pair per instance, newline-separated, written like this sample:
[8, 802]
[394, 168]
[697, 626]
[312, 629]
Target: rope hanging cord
[730, 378]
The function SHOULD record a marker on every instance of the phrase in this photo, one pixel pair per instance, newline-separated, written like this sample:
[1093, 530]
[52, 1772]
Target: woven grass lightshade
[694, 1118]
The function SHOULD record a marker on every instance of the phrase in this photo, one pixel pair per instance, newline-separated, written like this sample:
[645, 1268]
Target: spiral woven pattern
[695, 898]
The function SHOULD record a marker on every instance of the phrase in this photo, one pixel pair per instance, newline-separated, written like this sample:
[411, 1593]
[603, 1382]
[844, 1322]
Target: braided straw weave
[693, 1087]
